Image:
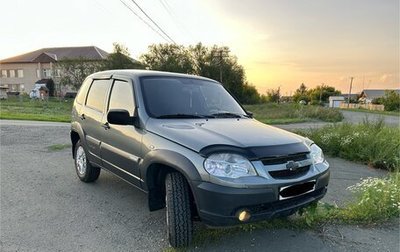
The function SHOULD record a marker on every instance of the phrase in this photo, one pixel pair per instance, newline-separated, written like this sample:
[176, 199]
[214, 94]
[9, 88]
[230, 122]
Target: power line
[176, 19]
[153, 22]
[144, 21]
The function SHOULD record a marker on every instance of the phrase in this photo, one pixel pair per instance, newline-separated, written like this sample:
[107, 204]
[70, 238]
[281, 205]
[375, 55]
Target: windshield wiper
[227, 115]
[177, 116]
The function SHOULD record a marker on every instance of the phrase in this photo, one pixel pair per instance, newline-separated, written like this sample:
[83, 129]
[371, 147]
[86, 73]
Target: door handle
[106, 126]
[82, 117]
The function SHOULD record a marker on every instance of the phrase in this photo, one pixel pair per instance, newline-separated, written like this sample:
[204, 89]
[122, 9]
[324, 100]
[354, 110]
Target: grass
[23, 108]
[392, 113]
[371, 143]
[58, 147]
[285, 113]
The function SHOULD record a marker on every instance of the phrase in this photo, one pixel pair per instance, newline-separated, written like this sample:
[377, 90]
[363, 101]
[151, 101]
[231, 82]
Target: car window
[97, 94]
[186, 96]
[122, 96]
[80, 98]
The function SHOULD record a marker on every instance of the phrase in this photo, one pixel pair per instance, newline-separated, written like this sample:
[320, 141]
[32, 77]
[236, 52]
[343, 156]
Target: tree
[202, 60]
[301, 94]
[250, 95]
[391, 101]
[74, 71]
[273, 95]
[168, 57]
[120, 59]
[322, 93]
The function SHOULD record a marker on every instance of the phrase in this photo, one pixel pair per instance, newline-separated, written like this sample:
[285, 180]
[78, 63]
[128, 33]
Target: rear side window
[97, 94]
[80, 98]
[122, 97]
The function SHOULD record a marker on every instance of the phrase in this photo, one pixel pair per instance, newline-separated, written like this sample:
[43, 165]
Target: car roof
[144, 73]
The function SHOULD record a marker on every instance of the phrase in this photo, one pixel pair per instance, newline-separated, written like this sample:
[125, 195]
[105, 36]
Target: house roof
[376, 93]
[352, 96]
[58, 53]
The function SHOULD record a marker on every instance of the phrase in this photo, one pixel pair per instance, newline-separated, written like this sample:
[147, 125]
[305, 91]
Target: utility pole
[220, 54]
[348, 97]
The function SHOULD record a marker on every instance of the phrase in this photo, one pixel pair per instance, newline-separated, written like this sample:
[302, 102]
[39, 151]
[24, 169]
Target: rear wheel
[179, 221]
[85, 171]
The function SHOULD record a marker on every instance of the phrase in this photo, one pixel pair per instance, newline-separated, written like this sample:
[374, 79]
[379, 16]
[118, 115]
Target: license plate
[296, 190]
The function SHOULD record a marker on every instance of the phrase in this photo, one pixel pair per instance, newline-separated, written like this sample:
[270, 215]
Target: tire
[179, 220]
[85, 171]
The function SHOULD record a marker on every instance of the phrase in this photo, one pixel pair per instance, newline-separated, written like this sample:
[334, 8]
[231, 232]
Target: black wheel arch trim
[77, 129]
[171, 159]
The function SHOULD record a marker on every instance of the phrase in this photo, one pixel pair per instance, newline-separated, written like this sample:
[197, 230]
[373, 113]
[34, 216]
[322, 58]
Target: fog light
[243, 215]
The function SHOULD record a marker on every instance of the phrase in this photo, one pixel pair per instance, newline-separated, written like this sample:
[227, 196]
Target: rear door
[92, 117]
[121, 147]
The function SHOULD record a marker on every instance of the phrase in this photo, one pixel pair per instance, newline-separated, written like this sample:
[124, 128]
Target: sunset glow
[279, 43]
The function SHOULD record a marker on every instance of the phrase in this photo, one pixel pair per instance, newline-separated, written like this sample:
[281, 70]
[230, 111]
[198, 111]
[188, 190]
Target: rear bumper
[218, 205]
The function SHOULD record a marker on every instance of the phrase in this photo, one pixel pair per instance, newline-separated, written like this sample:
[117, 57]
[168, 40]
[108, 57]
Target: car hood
[197, 134]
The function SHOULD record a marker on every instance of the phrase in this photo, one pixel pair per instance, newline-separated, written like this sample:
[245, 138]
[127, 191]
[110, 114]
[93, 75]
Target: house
[19, 73]
[368, 95]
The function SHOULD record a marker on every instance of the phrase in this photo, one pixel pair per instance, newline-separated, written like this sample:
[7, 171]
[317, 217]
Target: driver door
[121, 148]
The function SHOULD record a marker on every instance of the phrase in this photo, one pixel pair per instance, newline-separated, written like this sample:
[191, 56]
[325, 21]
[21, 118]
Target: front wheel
[179, 220]
[85, 171]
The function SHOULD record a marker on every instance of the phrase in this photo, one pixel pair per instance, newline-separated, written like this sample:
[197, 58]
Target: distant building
[367, 95]
[20, 73]
[335, 101]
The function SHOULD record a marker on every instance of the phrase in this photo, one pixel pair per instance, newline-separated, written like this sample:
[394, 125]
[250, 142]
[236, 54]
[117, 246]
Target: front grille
[284, 159]
[288, 174]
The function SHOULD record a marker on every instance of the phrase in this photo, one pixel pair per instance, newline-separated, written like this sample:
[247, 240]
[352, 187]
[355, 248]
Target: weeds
[377, 199]
[372, 143]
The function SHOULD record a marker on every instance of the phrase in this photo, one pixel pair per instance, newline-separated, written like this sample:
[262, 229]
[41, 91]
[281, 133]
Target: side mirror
[119, 117]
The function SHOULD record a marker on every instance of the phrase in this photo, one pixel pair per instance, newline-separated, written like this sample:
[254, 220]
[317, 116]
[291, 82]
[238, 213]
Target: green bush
[372, 143]
[391, 101]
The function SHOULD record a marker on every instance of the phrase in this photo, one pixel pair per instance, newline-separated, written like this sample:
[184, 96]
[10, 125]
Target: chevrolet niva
[187, 143]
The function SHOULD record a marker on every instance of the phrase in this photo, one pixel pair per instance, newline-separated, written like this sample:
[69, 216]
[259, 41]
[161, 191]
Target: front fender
[172, 159]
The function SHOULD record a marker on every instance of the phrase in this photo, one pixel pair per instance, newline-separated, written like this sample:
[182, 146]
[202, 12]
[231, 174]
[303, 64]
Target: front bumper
[218, 205]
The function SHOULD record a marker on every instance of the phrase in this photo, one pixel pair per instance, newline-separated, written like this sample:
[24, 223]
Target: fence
[363, 106]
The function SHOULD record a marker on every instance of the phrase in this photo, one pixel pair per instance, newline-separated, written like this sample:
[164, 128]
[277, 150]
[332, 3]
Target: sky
[280, 43]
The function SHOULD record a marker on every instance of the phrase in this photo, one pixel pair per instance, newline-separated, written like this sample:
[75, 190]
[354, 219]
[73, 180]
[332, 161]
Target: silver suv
[193, 149]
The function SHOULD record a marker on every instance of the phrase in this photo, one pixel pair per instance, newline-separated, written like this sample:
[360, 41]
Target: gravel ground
[357, 117]
[44, 207]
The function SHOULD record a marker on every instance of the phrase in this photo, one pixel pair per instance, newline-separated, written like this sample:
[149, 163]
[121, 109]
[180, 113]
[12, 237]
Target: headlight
[229, 165]
[316, 154]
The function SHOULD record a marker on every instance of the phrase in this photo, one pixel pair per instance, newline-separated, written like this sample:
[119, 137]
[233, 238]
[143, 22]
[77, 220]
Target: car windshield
[177, 97]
